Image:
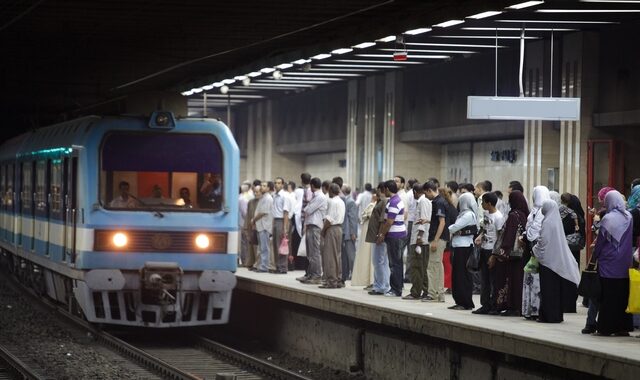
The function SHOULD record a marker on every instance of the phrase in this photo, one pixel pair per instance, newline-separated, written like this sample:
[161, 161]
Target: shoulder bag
[590, 281]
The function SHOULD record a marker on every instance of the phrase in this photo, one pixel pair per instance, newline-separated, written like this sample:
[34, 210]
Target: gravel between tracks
[63, 351]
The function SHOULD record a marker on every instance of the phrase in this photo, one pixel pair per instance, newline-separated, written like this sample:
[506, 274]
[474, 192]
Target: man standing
[394, 233]
[303, 197]
[363, 200]
[437, 238]
[262, 222]
[418, 249]
[314, 215]
[253, 258]
[491, 223]
[349, 233]
[332, 234]
[243, 204]
[280, 212]
[379, 257]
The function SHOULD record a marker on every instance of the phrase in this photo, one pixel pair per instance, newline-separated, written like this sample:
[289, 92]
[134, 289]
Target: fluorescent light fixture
[196, 90]
[324, 74]
[588, 10]
[387, 39]
[311, 78]
[519, 29]
[267, 70]
[228, 81]
[240, 77]
[433, 51]
[236, 96]
[410, 56]
[414, 32]
[284, 66]
[207, 87]
[321, 56]
[484, 15]
[611, 1]
[360, 66]
[292, 81]
[254, 74]
[301, 61]
[218, 84]
[350, 70]
[378, 62]
[453, 45]
[281, 85]
[187, 93]
[491, 37]
[341, 51]
[526, 4]
[364, 45]
[522, 108]
[555, 22]
[449, 23]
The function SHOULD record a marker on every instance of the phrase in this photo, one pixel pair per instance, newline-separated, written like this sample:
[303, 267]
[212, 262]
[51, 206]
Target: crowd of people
[523, 259]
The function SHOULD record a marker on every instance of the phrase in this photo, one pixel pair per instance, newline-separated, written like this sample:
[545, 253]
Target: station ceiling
[59, 59]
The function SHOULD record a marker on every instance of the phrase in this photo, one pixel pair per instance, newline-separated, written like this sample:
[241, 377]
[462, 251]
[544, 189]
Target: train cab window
[161, 171]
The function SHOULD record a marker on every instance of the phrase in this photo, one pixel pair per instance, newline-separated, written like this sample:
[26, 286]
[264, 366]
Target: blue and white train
[127, 220]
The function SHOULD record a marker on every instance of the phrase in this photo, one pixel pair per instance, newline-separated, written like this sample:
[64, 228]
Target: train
[124, 220]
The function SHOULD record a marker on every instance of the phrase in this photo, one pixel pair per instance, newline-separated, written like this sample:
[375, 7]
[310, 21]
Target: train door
[605, 167]
[4, 220]
[56, 214]
[70, 177]
[41, 225]
[27, 210]
[13, 200]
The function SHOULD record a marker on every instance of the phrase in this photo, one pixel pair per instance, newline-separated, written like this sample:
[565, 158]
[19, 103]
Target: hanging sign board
[523, 108]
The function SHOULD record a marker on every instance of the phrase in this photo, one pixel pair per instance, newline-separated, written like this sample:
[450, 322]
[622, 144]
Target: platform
[560, 345]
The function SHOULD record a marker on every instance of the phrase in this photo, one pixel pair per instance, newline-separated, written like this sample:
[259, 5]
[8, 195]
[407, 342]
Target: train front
[164, 231]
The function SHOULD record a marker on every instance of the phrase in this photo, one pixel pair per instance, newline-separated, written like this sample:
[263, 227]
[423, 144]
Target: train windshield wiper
[155, 212]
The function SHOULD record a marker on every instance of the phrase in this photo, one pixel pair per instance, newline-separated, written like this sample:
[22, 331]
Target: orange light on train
[203, 241]
[120, 239]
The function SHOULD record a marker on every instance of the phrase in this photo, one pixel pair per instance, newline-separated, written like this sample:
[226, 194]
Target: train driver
[124, 200]
[185, 195]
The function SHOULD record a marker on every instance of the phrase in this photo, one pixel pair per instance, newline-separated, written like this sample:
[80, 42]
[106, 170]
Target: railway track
[13, 368]
[164, 356]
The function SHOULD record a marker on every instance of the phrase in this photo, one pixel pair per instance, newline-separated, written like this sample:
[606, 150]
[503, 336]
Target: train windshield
[161, 171]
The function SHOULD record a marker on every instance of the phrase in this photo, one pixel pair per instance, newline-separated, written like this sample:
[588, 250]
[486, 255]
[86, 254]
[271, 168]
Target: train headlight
[203, 241]
[120, 239]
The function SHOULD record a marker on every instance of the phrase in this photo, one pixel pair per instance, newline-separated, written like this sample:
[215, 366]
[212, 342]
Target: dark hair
[338, 181]
[417, 187]
[401, 178]
[346, 189]
[292, 184]
[411, 182]
[635, 182]
[256, 182]
[498, 194]
[271, 186]
[381, 186]
[565, 198]
[516, 185]
[305, 178]
[430, 185]
[315, 182]
[453, 185]
[487, 185]
[467, 186]
[435, 180]
[326, 184]
[490, 198]
[367, 187]
[334, 189]
[123, 183]
[281, 180]
[391, 186]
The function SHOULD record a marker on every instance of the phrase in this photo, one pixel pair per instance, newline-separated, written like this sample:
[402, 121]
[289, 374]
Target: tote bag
[634, 291]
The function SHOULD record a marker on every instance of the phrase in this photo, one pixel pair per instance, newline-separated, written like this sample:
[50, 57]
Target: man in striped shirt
[394, 233]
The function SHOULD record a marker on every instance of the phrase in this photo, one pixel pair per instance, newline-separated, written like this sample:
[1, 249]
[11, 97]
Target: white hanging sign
[523, 108]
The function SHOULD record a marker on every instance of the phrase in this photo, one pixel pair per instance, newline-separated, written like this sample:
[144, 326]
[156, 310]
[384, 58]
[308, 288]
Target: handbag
[283, 249]
[590, 286]
[576, 241]
[517, 250]
[473, 262]
[498, 243]
[302, 248]
[633, 306]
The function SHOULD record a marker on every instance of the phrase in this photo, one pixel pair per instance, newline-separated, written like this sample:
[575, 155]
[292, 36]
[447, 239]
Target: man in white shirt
[492, 222]
[332, 234]
[418, 249]
[302, 195]
[243, 202]
[314, 214]
[280, 212]
[262, 222]
[124, 200]
[411, 218]
[363, 200]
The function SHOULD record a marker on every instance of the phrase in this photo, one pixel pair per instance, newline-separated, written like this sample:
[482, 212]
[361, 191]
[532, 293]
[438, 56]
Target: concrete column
[570, 131]
[352, 135]
[389, 126]
[251, 142]
[369, 160]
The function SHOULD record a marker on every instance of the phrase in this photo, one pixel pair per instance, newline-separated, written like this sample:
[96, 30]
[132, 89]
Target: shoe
[261, 271]
[588, 330]
[302, 278]
[621, 333]
[428, 298]
[252, 269]
[431, 299]
[511, 313]
[459, 307]
[272, 271]
[482, 310]
[448, 291]
[493, 312]
[375, 293]
[281, 272]
[410, 297]
[452, 307]
[368, 287]
[312, 281]
[391, 294]
[327, 286]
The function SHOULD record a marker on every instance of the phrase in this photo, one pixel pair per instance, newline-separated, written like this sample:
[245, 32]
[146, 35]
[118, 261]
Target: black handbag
[590, 286]
[473, 262]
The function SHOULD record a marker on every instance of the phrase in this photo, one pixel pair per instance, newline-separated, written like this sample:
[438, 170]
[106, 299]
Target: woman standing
[363, 267]
[614, 256]
[463, 231]
[508, 273]
[531, 286]
[559, 273]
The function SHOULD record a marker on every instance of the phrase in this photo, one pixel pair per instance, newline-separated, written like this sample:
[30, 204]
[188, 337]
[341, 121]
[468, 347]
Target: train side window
[3, 180]
[9, 188]
[56, 187]
[27, 178]
[41, 185]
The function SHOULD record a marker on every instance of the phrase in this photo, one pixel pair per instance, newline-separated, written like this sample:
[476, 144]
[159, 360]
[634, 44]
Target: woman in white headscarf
[559, 273]
[531, 282]
[462, 232]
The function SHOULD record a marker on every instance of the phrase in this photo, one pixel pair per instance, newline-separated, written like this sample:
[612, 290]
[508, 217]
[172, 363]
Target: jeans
[380, 268]
[394, 251]
[263, 237]
[592, 313]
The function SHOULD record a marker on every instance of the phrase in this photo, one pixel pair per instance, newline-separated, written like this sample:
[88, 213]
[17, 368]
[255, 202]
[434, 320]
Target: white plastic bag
[302, 249]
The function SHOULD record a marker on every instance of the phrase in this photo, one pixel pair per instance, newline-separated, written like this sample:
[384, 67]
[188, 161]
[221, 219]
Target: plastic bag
[283, 249]
[634, 292]
[302, 249]
[473, 262]
[532, 265]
